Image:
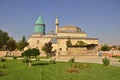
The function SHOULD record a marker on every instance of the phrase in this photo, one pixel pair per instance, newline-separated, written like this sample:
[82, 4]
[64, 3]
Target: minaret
[39, 26]
[57, 24]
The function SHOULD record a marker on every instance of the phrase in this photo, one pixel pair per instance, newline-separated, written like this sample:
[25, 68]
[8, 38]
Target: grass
[118, 57]
[42, 70]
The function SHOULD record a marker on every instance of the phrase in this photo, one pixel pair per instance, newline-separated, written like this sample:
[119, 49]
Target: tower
[57, 24]
[39, 26]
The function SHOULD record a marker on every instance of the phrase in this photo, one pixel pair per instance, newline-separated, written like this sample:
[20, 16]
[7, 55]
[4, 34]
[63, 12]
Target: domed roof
[69, 28]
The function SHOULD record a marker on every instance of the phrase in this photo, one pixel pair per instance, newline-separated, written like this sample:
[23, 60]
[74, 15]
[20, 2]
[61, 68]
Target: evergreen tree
[3, 39]
[22, 44]
[105, 48]
[47, 48]
[11, 45]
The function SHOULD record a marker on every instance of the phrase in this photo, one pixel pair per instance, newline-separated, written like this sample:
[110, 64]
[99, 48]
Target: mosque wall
[88, 41]
[37, 42]
[72, 34]
[80, 51]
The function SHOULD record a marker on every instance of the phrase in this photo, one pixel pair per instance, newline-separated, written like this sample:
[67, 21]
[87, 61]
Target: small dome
[69, 28]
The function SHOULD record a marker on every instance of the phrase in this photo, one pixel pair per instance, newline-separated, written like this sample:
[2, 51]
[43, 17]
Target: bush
[106, 61]
[118, 60]
[2, 60]
[80, 66]
[52, 61]
[72, 70]
[72, 60]
[3, 66]
[25, 60]
[14, 57]
[75, 67]
[38, 58]
[2, 73]
[83, 66]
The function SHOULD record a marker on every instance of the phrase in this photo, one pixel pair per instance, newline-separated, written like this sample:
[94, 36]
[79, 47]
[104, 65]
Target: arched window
[60, 49]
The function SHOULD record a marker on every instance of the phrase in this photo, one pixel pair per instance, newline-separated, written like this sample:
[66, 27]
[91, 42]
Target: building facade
[60, 37]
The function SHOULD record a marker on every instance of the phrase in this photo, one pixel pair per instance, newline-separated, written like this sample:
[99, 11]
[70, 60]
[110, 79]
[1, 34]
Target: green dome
[39, 20]
[39, 26]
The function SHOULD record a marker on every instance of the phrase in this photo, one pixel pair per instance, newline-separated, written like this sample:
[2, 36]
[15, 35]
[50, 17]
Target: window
[60, 49]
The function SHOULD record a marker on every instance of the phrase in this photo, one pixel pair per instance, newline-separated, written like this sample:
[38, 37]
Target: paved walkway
[88, 59]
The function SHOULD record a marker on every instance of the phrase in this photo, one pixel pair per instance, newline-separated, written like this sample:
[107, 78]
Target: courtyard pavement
[89, 59]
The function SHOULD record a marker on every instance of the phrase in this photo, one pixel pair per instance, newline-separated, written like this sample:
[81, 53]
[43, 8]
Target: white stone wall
[38, 41]
[62, 43]
[88, 41]
[81, 51]
[72, 34]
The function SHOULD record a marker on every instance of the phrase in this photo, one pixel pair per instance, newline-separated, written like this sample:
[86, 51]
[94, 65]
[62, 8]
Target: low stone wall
[2, 53]
[81, 51]
[13, 53]
[111, 53]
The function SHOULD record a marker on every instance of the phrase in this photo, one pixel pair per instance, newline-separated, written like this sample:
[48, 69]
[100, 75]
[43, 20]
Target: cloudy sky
[98, 18]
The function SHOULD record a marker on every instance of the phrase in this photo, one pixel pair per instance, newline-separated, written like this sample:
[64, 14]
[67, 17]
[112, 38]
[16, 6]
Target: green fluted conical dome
[39, 26]
[39, 20]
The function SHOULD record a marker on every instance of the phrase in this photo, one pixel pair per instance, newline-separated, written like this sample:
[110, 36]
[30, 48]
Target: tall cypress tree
[3, 39]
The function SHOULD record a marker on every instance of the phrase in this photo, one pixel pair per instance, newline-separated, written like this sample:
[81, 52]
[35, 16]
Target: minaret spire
[57, 24]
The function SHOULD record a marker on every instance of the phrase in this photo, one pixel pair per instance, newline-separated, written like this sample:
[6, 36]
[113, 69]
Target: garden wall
[81, 51]
[13, 53]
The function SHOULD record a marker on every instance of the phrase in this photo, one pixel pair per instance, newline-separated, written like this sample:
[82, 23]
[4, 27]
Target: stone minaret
[57, 24]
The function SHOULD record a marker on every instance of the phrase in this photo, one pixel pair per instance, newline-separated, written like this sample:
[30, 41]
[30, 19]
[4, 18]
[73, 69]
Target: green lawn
[17, 70]
[118, 57]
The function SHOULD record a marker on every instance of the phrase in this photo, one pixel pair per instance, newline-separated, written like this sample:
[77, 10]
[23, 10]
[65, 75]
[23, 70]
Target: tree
[35, 52]
[28, 54]
[31, 52]
[11, 45]
[22, 44]
[81, 43]
[3, 39]
[119, 48]
[105, 48]
[47, 48]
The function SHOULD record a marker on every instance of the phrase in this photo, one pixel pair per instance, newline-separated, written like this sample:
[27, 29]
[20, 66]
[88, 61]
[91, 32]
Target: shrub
[84, 66]
[2, 59]
[72, 70]
[14, 57]
[25, 60]
[52, 61]
[38, 59]
[118, 60]
[72, 60]
[3, 66]
[2, 73]
[80, 66]
[106, 61]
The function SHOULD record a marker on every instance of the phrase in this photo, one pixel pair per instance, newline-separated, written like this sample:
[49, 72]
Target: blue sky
[98, 18]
